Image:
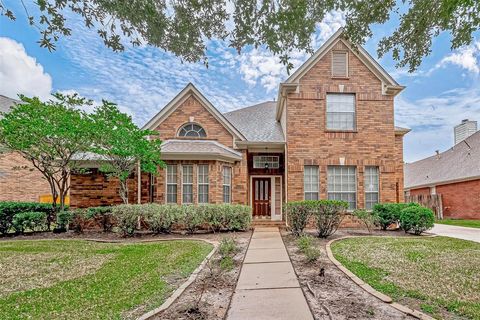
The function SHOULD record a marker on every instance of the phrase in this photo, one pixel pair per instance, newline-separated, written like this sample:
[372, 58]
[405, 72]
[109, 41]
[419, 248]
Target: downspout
[139, 183]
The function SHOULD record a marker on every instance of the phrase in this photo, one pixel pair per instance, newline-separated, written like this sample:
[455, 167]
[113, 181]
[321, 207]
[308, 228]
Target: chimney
[437, 152]
[464, 130]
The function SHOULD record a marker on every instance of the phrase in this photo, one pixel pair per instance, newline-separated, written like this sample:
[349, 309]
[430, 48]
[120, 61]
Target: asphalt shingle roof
[257, 123]
[460, 162]
[198, 147]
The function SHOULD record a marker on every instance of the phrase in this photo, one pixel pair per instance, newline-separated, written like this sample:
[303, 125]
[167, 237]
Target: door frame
[273, 215]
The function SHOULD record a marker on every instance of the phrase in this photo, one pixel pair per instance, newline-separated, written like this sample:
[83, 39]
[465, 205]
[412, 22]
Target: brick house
[330, 134]
[453, 175]
[19, 180]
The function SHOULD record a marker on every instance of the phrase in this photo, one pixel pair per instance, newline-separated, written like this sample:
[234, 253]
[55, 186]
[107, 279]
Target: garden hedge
[8, 209]
[388, 213]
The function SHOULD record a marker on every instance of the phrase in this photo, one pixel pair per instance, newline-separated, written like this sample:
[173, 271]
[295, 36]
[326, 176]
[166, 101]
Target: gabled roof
[191, 90]
[6, 104]
[459, 163]
[389, 85]
[257, 123]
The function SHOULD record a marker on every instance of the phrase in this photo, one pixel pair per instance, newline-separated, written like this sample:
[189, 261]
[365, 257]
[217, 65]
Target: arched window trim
[191, 127]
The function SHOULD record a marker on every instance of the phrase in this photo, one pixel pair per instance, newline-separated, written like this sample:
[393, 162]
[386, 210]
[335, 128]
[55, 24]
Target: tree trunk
[124, 191]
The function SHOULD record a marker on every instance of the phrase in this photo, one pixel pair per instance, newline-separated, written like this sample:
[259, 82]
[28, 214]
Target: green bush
[8, 209]
[388, 213]
[103, 215]
[215, 216]
[127, 217]
[33, 221]
[161, 218]
[298, 213]
[227, 246]
[192, 218]
[369, 218]
[64, 218]
[304, 242]
[237, 217]
[416, 219]
[311, 254]
[328, 216]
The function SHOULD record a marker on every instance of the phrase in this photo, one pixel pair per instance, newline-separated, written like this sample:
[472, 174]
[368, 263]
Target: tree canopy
[122, 145]
[183, 27]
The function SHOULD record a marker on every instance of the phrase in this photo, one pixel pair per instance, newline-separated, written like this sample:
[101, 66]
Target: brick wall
[372, 144]
[23, 184]
[460, 200]
[191, 107]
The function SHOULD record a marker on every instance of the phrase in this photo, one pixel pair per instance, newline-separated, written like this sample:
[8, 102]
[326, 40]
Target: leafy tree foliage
[183, 27]
[121, 145]
[48, 134]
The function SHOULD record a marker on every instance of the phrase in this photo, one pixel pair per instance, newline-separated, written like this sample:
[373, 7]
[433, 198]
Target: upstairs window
[192, 130]
[340, 64]
[264, 162]
[341, 111]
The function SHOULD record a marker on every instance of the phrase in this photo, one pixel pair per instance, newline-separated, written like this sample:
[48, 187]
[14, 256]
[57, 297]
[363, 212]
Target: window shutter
[339, 64]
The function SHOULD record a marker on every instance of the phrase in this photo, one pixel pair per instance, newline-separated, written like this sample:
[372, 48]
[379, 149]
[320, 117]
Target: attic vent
[339, 64]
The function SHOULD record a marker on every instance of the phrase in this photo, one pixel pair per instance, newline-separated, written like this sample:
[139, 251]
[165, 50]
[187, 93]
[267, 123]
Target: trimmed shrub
[127, 217]
[161, 218]
[215, 216]
[8, 209]
[192, 218]
[298, 213]
[237, 217]
[328, 216]
[103, 215]
[416, 219]
[64, 218]
[388, 213]
[33, 221]
[369, 218]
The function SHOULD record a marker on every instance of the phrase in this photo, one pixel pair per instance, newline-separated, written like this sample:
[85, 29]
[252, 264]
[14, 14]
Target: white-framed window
[187, 183]
[340, 64]
[202, 182]
[227, 184]
[341, 111]
[172, 183]
[310, 182]
[371, 187]
[260, 162]
[192, 130]
[342, 184]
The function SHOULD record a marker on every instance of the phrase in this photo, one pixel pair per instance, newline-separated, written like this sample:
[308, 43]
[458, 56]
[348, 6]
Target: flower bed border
[383, 297]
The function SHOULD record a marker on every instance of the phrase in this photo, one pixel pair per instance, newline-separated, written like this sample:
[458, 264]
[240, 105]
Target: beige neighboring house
[19, 180]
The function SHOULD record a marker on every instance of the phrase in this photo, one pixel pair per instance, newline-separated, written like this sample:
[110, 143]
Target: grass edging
[178, 292]
[383, 297]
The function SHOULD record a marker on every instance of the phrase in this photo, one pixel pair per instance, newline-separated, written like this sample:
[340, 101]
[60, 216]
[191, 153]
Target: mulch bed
[329, 292]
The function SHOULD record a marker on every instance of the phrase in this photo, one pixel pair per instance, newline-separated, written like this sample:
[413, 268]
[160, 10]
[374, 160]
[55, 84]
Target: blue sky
[445, 89]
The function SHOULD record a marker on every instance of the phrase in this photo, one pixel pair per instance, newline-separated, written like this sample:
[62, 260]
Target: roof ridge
[255, 105]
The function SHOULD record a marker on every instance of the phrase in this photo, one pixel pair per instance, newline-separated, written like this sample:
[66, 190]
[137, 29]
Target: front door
[261, 196]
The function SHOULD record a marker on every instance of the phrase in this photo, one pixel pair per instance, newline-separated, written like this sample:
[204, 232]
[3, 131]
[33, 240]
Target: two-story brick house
[330, 134]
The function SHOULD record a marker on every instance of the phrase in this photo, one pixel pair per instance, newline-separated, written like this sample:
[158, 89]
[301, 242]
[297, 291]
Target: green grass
[439, 273]
[460, 223]
[73, 279]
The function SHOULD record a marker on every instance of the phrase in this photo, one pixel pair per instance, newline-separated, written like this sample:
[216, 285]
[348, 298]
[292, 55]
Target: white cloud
[20, 73]
[466, 58]
[432, 120]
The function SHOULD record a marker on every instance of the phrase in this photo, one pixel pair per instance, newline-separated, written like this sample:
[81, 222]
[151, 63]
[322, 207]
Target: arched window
[192, 130]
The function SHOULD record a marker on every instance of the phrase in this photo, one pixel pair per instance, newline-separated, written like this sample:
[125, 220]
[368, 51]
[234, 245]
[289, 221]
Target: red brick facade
[307, 142]
[460, 200]
[19, 180]
[373, 143]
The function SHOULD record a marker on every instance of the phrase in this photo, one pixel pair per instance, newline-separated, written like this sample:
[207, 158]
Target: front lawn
[460, 223]
[439, 275]
[74, 279]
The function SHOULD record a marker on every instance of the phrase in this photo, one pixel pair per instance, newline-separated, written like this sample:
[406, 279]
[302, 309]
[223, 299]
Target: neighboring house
[19, 180]
[454, 175]
[330, 134]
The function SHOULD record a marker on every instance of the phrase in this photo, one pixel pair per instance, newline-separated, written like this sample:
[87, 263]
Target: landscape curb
[178, 292]
[412, 312]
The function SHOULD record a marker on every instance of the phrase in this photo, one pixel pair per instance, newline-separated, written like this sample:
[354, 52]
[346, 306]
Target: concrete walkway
[472, 234]
[268, 287]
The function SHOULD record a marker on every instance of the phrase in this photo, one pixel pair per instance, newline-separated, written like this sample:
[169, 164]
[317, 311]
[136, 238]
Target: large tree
[48, 134]
[122, 146]
[183, 27]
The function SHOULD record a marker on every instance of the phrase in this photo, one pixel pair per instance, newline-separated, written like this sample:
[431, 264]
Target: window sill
[340, 78]
[340, 131]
